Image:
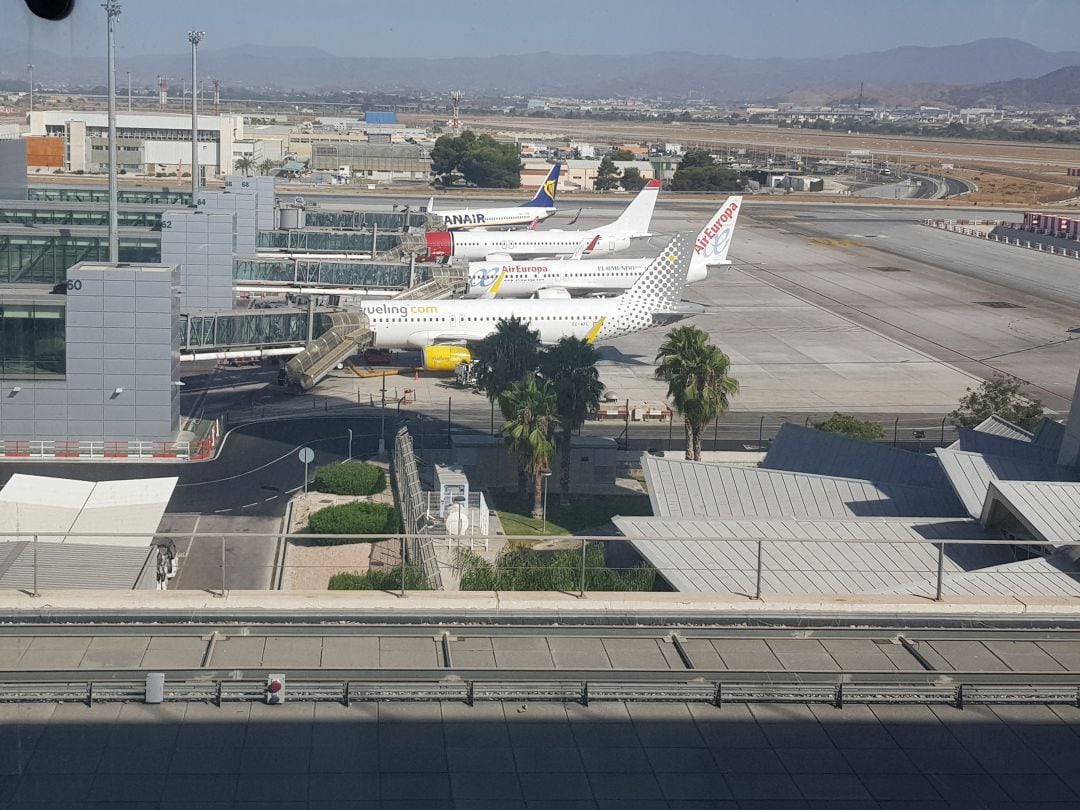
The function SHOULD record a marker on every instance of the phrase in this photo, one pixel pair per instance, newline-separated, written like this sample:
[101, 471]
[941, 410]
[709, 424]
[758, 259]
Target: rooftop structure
[808, 510]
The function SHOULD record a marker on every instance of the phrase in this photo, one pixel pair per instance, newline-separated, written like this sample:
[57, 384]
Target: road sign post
[307, 455]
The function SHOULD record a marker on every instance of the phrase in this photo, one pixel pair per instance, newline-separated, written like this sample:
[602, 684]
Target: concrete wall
[262, 188]
[121, 362]
[13, 169]
[201, 241]
[245, 208]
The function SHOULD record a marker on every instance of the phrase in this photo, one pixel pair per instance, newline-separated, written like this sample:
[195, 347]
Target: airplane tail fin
[545, 195]
[431, 204]
[635, 220]
[714, 240]
[661, 285]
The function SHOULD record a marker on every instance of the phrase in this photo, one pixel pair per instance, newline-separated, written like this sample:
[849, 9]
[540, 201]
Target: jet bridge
[227, 334]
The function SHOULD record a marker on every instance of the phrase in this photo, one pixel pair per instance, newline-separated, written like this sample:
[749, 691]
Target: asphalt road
[253, 475]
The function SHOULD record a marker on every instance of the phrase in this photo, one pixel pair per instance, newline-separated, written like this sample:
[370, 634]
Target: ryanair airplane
[539, 208]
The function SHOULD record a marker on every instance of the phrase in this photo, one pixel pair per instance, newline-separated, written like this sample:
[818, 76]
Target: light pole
[129, 90]
[382, 419]
[194, 37]
[112, 11]
[31, 69]
[545, 474]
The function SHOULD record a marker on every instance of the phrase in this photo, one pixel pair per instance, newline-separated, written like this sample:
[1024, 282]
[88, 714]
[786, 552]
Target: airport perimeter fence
[645, 428]
[739, 568]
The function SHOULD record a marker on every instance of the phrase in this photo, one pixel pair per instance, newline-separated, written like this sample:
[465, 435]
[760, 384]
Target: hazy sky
[798, 28]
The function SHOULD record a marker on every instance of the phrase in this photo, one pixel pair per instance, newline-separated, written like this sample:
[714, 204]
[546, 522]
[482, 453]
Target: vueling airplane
[614, 236]
[564, 278]
[442, 330]
[539, 208]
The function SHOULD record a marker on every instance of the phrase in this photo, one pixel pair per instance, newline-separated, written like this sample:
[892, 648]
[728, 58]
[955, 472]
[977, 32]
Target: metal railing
[955, 226]
[927, 572]
[830, 689]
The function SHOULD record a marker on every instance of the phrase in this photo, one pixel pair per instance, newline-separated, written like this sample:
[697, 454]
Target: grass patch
[381, 579]
[585, 512]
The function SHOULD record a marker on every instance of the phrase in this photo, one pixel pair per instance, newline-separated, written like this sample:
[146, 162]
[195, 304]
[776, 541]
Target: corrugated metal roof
[970, 474]
[997, 426]
[975, 441]
[71, 565]
[809, 450]
[854, 556]
[1049, 509]
[1049, 434]
[698, 489]
[1034, 577]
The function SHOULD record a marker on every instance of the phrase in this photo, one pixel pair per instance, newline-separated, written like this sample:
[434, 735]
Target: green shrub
[382, 579]
[353, 518]
[352, 478]
[519, 568]
[845, 424]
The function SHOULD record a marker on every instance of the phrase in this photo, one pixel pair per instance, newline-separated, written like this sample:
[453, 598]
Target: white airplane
[564, 278]
[442, 330]
[614, 236]
[539, 208]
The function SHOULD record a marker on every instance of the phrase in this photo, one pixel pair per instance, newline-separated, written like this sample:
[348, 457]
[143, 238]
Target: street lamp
[545, 474]
[31, 69]
[194, 37]
[112, 11]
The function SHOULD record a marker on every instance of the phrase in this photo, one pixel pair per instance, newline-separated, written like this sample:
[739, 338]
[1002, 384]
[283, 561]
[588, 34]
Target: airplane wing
[498, 257]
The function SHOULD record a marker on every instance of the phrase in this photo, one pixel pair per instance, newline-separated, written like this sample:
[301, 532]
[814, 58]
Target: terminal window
[32, 340]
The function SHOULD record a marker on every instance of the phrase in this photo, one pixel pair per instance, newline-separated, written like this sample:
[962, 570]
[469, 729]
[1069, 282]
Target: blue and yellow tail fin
[545, 195]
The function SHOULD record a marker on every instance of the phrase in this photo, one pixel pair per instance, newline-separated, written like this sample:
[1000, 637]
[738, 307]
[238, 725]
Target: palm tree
[531, 421]
[266, 166]
[698, 383]
[504, 357]
[245, 164]
[570, 367]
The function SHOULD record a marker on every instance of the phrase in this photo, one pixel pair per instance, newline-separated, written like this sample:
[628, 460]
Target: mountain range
[1061, 87]
[664, 74]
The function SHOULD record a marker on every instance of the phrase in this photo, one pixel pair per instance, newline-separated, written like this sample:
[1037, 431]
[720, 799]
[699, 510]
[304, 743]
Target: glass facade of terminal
[32, 342]
[147, 196]
[46, 259]
[15, 214]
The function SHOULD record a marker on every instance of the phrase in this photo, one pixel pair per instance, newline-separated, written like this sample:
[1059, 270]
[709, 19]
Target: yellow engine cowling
[444, 358]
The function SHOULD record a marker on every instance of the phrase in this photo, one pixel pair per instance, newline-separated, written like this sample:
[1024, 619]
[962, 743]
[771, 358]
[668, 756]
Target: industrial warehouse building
[151, 144]
[374, 162]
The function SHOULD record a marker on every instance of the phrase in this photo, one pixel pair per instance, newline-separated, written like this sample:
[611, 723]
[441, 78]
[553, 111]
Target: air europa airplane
[564, 278]
[443, 330]
[614, 236]
[539, 208]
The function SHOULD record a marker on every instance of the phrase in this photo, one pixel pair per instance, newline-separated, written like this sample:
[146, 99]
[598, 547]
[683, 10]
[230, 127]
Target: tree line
[547, 393]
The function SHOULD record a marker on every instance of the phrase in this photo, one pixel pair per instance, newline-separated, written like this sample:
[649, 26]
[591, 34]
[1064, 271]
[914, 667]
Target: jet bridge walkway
[220, 335]
[348, 333]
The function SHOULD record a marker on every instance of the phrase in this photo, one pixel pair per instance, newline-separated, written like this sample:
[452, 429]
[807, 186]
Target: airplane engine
[553, 293]
[444, 358]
